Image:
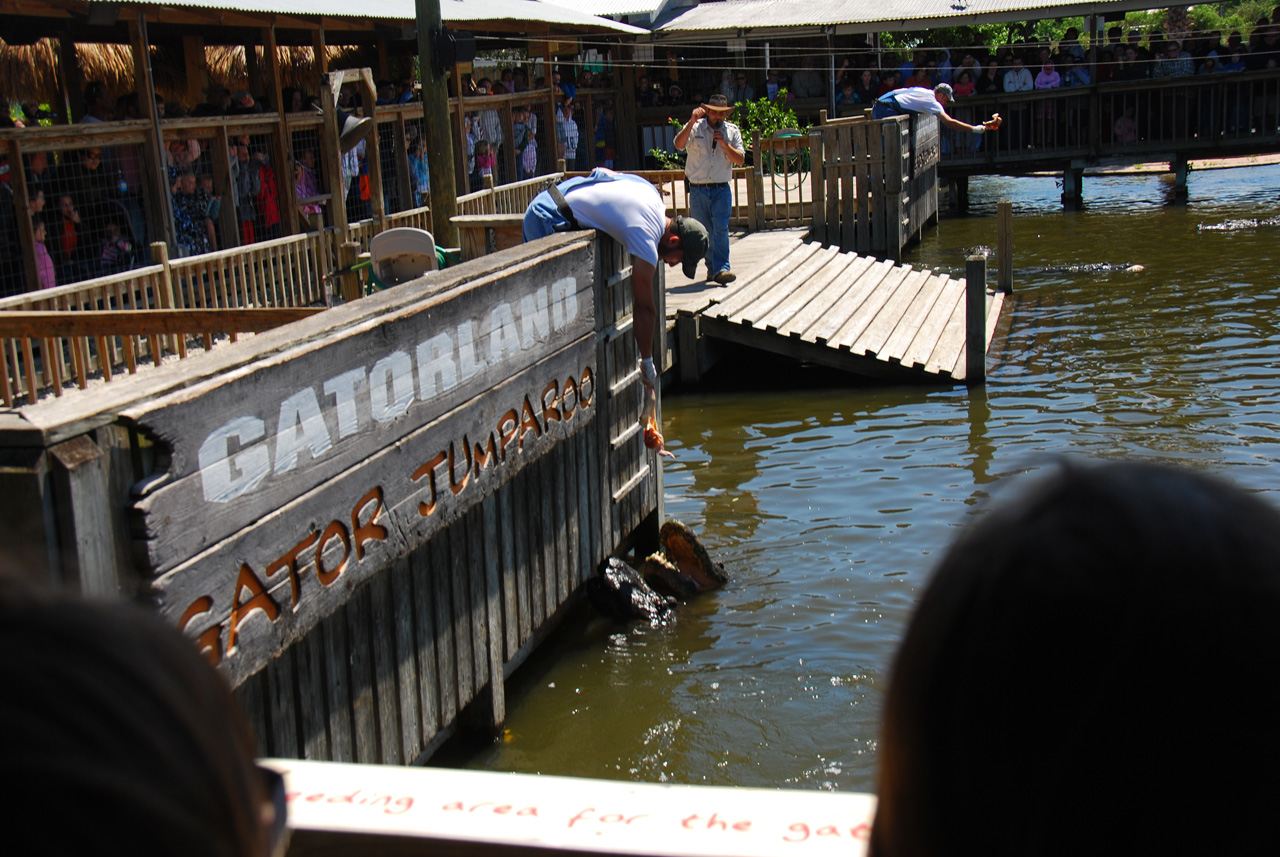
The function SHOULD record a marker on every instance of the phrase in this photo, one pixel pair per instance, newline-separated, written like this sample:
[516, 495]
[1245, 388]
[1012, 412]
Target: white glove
[648, 372]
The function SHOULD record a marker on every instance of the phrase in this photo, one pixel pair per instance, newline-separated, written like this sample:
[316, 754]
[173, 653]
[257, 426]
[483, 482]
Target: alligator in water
[1239, 225]
[1081, 268]
[680, 571]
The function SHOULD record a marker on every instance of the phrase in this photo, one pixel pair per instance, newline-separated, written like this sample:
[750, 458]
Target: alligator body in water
[680, 571]
[1079, 268]
[1239, 225]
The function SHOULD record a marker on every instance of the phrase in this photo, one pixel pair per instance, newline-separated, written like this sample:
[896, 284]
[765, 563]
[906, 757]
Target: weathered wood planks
[850, 312]
[436, 508]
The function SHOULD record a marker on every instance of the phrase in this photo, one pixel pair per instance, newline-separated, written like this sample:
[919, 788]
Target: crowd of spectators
[86, 203]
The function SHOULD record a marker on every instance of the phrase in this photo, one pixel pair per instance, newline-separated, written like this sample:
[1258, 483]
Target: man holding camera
[714, 148]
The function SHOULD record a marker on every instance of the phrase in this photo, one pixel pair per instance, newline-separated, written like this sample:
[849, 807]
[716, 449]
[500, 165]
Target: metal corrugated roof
[614, 7]
[762, 16]
[404, 10]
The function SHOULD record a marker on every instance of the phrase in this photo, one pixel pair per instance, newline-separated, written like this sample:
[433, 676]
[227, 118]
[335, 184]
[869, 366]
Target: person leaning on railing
[917, 99]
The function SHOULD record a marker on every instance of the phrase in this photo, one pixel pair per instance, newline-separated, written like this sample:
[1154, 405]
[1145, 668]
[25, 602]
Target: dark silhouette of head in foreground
[116, 737]
[1094, 669]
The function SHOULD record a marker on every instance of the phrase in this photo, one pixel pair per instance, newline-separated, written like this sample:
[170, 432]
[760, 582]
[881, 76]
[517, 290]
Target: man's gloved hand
[648, 373]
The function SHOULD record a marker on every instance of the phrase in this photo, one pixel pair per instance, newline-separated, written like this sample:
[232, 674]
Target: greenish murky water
[830, 504]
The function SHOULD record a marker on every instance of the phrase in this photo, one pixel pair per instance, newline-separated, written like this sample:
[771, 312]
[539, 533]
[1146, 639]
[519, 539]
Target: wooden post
[629, 154]
[1072, 187]
[407, 193]
[349, 281]
[549, 146]
[228, 224]
[27, 505]
[282, 144]
[318, 51]
[1181, 170]
[156, 187]
[70, 80]
[331, 156]
[1004, 244]
[372, 150]
[435, 106]
[818, 177]
[755, 185]
[26, 235]
[160, 256]
[975, 320]
[384, 71]
[84, 521]
[196, 68]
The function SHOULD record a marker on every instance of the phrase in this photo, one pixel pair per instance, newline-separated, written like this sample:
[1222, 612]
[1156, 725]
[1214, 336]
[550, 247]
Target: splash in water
[1239, 225]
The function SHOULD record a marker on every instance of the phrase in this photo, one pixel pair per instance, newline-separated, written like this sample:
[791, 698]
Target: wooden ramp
[842, 310]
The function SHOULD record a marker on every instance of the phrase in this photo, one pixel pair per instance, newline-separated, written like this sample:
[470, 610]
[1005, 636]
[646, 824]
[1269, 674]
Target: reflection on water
[830, 504]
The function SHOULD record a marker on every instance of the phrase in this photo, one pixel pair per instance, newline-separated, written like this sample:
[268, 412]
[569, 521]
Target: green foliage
[668, 160]
[766, 117]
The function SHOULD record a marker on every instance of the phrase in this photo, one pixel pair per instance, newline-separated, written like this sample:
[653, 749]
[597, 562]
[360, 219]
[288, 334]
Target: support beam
[197, 69]
[70, 80]
[1004, 245]
[1181, 167]
[319, 51]
[155, 190]
[628, 143]
[282, 140]
[975, 320]
[26, 235]
[1073, 188]
[331, 157]
[435, 106]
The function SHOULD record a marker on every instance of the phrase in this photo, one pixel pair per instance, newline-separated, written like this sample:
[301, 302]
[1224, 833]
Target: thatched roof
[29, 73]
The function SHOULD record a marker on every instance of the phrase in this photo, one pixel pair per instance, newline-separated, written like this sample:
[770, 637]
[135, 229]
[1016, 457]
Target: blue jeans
[542, 218]
[711, 206]
[883, 110]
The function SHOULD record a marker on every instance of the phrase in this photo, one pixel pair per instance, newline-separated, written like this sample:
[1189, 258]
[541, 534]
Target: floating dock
[812, 303]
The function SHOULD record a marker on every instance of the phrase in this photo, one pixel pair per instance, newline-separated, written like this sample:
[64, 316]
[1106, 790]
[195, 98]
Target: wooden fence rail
[874, 182]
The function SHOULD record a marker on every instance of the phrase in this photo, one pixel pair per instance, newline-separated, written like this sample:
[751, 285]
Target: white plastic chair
[402, 254]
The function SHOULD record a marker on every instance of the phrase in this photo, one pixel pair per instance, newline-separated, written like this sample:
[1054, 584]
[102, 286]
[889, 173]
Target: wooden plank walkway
[849, 312]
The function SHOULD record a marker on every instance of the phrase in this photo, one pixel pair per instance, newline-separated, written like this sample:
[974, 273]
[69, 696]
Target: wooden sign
[296, 477]
[247, 443]
[351, 806]
[247, 597]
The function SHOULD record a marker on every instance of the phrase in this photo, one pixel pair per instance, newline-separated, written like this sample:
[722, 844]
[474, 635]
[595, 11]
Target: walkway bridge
[808, 302]
[1067, 130]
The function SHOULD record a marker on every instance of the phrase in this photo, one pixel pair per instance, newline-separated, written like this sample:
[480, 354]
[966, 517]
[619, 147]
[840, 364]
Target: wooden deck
[813, 303]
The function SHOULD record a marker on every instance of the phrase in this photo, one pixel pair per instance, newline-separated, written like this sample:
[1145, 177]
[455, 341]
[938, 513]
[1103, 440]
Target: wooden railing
[511, 198]
[1212, 114]
[875, 182]
[779, 175]
[362, 230]
[285, 273]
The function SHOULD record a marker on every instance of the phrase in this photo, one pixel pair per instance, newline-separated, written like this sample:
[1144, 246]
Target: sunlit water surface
[830, 504]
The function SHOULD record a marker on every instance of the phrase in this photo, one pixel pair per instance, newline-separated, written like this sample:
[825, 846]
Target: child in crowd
[521, 136]
[305, 185]
[191, 215]
[1126, 129]
[964, 85]
[473, 138]
[117, 250]
[567, 132]
[485, 161]
[44, 262]
[420, 170]
[68, 241]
